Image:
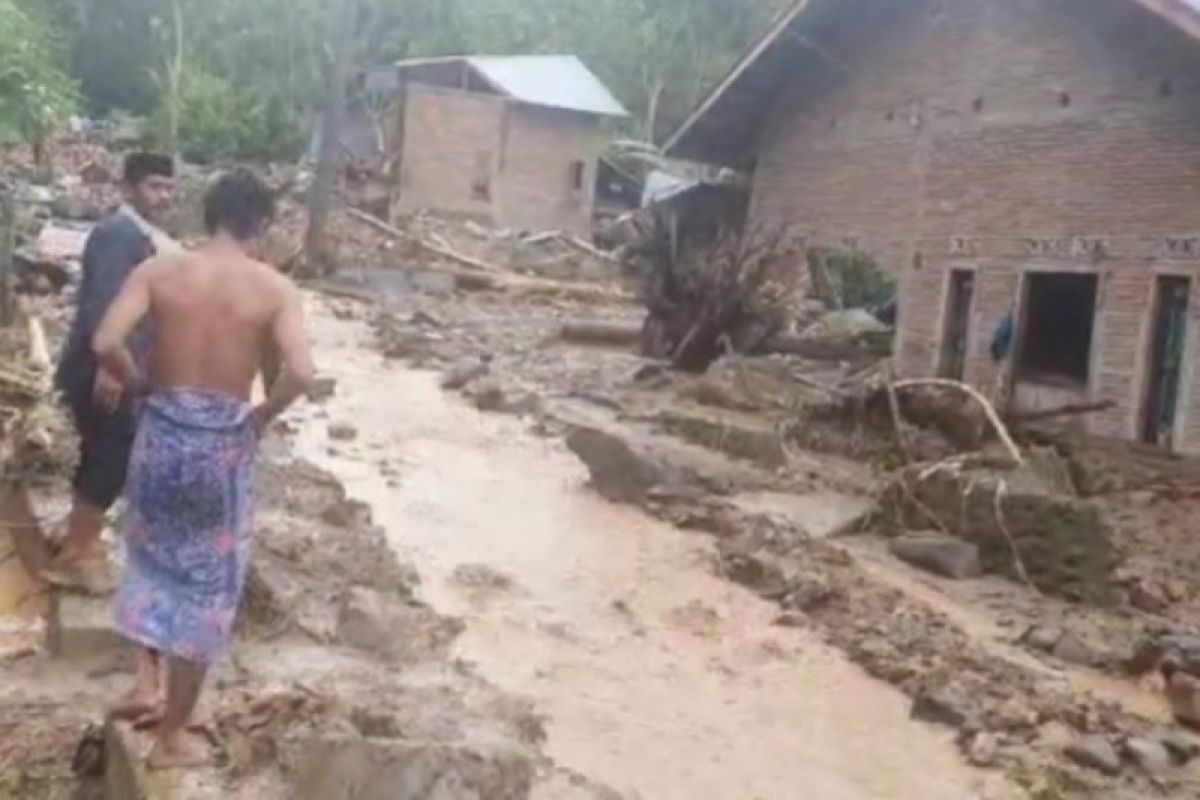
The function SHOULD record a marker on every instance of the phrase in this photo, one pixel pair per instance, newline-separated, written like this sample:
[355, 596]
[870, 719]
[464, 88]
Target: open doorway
[1168, 335]
[960, 292]
[1058, 316]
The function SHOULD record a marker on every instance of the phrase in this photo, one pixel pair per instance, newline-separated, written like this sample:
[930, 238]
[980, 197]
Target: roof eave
[747, 61]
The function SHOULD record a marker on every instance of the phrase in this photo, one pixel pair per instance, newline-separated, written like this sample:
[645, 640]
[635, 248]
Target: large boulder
[633, 465]
[1061, 540]
[940, 554]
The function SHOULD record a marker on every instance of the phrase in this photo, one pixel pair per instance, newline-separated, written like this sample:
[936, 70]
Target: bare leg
[83, 530]
[174, 745]
[145, 697]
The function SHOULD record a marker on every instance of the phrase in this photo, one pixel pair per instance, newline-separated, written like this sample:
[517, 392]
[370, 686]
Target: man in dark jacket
[103, 411]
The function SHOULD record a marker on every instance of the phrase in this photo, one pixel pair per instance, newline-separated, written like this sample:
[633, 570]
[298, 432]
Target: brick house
[510, 140]
[1034, 156]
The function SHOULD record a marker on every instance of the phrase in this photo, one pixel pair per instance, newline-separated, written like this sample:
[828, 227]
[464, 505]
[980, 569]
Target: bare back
[213, 316]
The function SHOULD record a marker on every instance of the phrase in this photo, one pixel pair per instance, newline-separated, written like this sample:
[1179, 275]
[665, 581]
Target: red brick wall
[529, 151]
[537, 189]
[1001, 136]
[445, 131]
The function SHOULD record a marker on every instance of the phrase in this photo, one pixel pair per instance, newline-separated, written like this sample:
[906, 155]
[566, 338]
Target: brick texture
[528, 157]
[1001, 136]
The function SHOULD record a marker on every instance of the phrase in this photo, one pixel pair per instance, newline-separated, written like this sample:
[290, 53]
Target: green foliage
[658, 56]
[35, 91]
[858, 279]
[220, 123]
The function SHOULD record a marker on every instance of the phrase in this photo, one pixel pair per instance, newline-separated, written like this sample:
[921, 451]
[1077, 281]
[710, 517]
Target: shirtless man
[190, 488]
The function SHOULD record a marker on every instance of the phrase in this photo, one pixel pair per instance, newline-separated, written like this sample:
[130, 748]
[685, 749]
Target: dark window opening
[833, 122]
[1064, 99]
[578, 170]
[1165, 88]
[481, 177]
[891, 115]
[978, 104]
[1056, 336]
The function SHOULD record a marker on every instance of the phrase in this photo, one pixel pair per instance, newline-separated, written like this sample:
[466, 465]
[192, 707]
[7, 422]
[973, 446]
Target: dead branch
[39, 351]
[587, 247]
[1018, 563]
[600, 332]
[988, 408]
[436, 249]
[1074, 409]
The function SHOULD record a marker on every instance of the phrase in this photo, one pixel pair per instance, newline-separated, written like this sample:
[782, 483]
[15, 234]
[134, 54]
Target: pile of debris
[36, 437]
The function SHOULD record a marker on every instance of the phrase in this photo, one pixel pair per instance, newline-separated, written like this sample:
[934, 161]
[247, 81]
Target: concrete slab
[126, 776]
[79, 627]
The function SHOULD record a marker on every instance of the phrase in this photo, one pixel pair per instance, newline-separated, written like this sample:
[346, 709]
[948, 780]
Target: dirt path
[657, 678]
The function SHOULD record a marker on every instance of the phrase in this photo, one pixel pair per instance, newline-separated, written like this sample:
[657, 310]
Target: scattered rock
[1181, 649]
[1041, 637]
[346, 513]
[370, 622]
[943, 706]
[342, 432]
[322, 389]
[982, 749]
[940, 554]
[810, 592]
[463, 372]
[1095, 752]
[1183, 694]
[1149, 596]
[1151, 756]
[1182, 745]
[1074, 650]
[481, 576]
[487, 394]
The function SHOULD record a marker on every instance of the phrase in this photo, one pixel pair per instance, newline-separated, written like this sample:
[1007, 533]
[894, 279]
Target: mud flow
[656, 678]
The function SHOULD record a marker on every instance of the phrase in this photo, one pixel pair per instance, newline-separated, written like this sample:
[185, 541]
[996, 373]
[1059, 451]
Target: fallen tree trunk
[481, 276]
[434, 248]
[1070, 410]
[619, 334]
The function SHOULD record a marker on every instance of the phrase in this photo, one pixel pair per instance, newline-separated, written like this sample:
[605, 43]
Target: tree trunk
[7, 235]
[318, 257]
[652, 109]
[175, 80]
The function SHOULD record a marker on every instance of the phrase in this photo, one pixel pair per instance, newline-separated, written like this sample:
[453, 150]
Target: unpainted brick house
[510, 140]
[1034, 156]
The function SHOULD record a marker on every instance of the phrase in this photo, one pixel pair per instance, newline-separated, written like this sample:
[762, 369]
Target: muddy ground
[1034, 685]
[341, 683]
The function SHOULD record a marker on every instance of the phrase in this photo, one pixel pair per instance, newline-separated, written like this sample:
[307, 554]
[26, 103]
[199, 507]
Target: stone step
[127, 778]
[79, 627]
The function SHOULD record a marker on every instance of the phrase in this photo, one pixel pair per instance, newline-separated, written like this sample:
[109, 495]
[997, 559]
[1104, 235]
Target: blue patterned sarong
[189, 523]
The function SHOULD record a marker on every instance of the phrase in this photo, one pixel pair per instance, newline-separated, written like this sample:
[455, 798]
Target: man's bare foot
[135, 706]
[179, 750]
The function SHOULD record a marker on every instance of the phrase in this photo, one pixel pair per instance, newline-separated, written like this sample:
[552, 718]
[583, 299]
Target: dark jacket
[114, 249]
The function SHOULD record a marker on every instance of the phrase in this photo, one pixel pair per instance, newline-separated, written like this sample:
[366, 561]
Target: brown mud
[655, 676]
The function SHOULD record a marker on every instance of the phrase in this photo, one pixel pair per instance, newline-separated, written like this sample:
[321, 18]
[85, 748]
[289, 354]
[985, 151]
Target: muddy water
[656, 678]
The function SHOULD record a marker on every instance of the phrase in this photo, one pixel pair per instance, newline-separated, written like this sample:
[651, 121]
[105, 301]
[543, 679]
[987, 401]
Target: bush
[218, 123]
[35, 92]
[858, 279]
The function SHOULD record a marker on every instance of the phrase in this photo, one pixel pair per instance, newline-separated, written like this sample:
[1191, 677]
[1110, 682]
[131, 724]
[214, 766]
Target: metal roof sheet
[551, 81]
[554, 81]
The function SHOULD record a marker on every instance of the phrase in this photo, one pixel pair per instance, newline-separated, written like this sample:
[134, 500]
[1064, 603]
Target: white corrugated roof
[553, 81]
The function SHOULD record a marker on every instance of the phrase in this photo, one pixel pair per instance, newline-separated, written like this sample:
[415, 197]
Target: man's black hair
[240, 204]
[139, 166]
